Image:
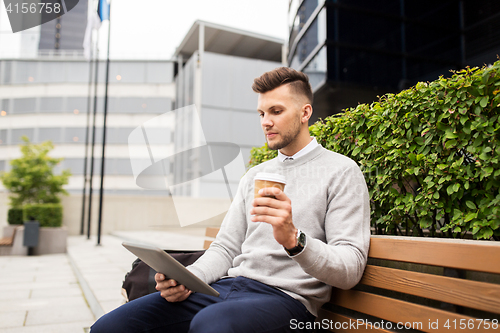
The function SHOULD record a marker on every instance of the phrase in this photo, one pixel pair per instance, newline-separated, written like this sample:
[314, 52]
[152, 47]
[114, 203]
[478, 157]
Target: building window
[24, 105]
[25, 72]
[317, 69]
[74, 135]
[52, 134]
[3, 137]
[314, 36]
[51, 104]
[18, 133]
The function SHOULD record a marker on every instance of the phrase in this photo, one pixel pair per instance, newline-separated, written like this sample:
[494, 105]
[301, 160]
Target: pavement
[68, 292]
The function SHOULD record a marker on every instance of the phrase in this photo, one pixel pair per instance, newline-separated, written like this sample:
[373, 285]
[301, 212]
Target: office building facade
[354, 50]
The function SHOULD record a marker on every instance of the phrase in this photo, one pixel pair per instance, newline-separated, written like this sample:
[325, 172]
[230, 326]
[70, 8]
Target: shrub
[32, 179]
[430, 154]
[49, 215]
[15, 216]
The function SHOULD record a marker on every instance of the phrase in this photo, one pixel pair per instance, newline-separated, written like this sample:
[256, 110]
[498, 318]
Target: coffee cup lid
[272, 177]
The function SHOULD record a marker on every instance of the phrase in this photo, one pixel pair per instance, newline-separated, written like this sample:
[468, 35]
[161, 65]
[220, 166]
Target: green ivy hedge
[15, 216]
[49, 215]
[430, 155]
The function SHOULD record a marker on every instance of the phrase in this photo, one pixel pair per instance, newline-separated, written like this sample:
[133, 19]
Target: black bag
[140, 281]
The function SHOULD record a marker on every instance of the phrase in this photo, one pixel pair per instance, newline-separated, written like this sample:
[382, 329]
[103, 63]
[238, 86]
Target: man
[275, 257]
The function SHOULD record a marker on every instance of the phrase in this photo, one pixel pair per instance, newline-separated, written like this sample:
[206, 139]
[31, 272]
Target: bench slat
[467, 255]
[212, 232]
[479, 295]
[399, 311]
[6, 241]
[206, 244]
[338, 318]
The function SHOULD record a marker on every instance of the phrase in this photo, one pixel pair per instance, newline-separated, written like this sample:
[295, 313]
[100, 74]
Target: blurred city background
[165, 55]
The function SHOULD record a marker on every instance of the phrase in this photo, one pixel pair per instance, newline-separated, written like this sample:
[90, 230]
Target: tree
[31, 179]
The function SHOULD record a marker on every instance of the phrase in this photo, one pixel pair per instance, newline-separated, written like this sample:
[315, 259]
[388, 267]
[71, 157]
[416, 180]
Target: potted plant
[35, 191]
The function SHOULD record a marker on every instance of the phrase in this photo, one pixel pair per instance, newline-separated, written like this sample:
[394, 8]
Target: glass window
[20, 132]
[305, 11]
[74, 164]
[5, 72]
[26, 72]
[159, 72]
[51, 104]
[118, 135]
[317, 69]
[74, 135]
[123, 166]
[130, 105]
[127, 72]
[52, 134]
[24, 105]
[77, 105]
[3, 137]
[77, 72]
[377, 32]
[5, 106]
[315, 35]
[51, 72]
[157, 105]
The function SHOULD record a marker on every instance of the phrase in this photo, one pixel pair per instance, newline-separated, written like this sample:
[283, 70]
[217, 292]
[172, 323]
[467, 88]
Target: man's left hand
[277, 211]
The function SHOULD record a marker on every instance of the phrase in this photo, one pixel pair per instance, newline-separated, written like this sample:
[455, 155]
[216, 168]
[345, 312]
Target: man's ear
[307, 111]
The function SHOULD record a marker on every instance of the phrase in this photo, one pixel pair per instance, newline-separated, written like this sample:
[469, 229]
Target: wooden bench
[426, 284]
[9, 240]
[210, 233]
[12, 242]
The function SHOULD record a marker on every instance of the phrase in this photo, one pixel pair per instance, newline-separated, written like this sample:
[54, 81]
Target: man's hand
[277, 212]
[170, 290]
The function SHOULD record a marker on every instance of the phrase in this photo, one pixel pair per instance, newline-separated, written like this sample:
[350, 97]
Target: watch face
[302, 238]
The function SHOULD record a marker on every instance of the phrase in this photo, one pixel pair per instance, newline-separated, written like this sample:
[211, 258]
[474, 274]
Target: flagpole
[101, 191]
[91, 64]
[96, 79]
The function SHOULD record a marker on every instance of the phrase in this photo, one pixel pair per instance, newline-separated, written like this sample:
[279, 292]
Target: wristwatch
[301, 243]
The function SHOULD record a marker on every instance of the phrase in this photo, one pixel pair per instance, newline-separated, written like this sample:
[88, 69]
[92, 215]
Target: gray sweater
[330, 204]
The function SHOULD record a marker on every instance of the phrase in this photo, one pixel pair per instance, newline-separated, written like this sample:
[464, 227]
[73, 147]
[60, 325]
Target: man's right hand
[170, 290]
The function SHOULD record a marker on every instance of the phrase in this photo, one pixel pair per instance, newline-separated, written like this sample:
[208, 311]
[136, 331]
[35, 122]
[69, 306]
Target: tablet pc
[163, 263]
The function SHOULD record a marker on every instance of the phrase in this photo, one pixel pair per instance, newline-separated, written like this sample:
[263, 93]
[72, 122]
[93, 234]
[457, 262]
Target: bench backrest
[8, 241]
[428, 284]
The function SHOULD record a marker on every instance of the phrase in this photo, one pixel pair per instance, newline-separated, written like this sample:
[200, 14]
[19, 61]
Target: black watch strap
[301, 243]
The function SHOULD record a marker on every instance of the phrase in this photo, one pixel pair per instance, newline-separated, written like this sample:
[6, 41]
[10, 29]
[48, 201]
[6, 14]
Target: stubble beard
[287, 137]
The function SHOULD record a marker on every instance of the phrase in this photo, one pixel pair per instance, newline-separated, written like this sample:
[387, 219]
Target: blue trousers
[244, 305]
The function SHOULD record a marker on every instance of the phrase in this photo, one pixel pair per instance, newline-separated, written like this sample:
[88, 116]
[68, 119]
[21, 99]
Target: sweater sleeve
[218, 258]
[340, 262]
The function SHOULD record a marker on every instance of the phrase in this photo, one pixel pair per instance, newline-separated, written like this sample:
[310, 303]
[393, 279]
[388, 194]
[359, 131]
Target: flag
[103, 9]
[93, 22]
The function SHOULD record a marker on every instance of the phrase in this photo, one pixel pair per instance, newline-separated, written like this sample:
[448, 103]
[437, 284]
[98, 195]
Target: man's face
[280, 116]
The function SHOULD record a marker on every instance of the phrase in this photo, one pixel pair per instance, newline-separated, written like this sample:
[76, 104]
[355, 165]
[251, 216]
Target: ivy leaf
[450, 190]
[470, 204]
[419, 140]
[450, 135]
[470, 217]
[450, 143]
[484, 101]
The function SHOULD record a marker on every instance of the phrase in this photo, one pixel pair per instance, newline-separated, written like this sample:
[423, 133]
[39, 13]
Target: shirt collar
[310, 146]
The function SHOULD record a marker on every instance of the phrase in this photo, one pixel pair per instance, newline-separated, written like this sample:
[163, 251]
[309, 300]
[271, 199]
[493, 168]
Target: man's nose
[266, 121]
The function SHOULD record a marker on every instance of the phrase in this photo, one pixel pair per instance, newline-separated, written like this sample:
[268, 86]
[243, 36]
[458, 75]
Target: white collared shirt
[310, 146]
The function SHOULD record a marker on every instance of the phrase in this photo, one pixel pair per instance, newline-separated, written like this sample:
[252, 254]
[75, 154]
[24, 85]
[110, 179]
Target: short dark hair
[299, 82]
